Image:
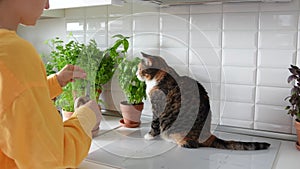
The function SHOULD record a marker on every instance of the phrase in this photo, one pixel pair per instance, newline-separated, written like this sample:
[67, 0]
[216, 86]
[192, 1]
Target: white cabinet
[62, 4]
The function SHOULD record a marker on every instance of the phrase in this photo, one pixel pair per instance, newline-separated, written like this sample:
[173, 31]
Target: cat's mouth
[139, 77]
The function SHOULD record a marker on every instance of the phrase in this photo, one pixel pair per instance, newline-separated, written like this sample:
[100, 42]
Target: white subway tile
[276, 115]
[211, 39]
[96, 12]
[119, 11]
[174, 39]
[198, 9]
[239, 75]
[282, 39]
[208, 74]
[177, 56]
[278, 20]
[120, 24]
[241, 7]
[290, 6]
[298, 40]
[215, 111]
[238, 93]
[240, 21]
[276, 58]
[272, 77]
[272, 95]
[239, 57]
[240, 39]
[145, 40]
[206, 22]
[236, 110]
[75, 13]
[146, 22]
[205, 56]
[176, 10]
[297, 59]
[174, 22]
[75, 25]
[96, 24]
[140, 7]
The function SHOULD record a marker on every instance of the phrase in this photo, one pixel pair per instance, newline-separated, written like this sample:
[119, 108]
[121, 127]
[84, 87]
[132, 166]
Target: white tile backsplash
[272, 77]
[205, 38]
[175, 56]
[238, 93]
[208, 74]
[241, 7]
[272, 95]
[278, 20]
[120, 24]
[292, 6]
[202, 9]
[145, 40]
[240, 39]
[269, 114]
[239, 51]
[239, 57]
[206, 21]
[174, 39]
[240, 21]
[239, 75]
[205, 56]
[171, 22]
[282, 39]
[141, 22]
[238, 111]
[96, 12]
[271, 58]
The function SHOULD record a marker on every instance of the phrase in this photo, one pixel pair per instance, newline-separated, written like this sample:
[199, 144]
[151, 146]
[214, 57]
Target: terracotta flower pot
[66, 114]
[297, 127]
[131, 114]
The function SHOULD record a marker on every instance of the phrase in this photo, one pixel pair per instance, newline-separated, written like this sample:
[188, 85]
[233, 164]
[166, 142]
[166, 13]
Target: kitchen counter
[114, 146]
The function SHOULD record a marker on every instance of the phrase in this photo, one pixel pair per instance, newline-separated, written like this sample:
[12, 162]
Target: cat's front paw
[148, 136]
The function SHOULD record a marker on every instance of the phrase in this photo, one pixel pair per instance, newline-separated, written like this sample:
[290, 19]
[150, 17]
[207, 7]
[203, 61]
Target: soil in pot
[131, 114]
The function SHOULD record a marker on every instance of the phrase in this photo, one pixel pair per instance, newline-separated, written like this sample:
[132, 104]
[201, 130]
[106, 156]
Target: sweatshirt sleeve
[54, 87]
[32, 133]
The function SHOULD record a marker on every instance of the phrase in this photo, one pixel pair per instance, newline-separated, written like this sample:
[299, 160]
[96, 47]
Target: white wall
[239, 52]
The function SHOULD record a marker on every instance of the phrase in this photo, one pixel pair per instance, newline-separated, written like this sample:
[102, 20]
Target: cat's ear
[147, 59]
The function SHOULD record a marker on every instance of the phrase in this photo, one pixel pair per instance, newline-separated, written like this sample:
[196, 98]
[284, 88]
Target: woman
[32, 134]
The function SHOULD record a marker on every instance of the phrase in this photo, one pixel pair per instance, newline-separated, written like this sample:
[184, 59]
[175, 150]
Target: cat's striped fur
[181, 109]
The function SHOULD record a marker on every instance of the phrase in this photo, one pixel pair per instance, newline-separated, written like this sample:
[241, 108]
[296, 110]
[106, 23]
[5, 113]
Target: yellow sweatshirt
[32, 134]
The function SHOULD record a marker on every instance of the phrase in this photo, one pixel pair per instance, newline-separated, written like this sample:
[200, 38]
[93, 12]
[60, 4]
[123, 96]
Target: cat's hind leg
[182, 140]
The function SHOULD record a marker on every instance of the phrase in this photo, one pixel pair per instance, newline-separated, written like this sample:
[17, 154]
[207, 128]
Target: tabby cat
[181, 109]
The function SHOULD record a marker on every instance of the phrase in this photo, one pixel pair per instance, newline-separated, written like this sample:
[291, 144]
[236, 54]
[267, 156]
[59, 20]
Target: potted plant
[294, 99]
[108, 62]
[89, 60]
[62, 54]
[134, 90]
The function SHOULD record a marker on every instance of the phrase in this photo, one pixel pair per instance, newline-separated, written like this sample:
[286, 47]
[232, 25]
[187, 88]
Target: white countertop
[285, 155]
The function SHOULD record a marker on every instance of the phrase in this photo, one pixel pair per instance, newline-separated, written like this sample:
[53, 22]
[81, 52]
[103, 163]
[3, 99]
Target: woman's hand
[69, 73]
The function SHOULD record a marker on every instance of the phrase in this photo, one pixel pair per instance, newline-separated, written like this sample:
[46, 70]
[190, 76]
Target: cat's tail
[216, 142]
